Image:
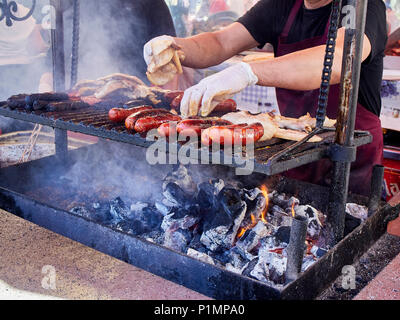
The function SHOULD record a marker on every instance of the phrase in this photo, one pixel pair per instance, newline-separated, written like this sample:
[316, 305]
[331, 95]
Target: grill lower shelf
[94, 121]
[205, 278]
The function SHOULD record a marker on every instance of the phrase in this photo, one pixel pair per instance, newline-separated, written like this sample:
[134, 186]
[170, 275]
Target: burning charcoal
[318, 252]
[175, 195]
[196, 244]
[277, 268]
[230, 200]
[163, 209]
[249, 267]
[131, 227]
[180, 219]
[282, 200]
[177, 240]
[260, 271]
[269, 245]
[239, 257]
[221, 231]
[251, 238]
[200, 256]
[182, 178]
[277, 216]
[81, 211]
[357, 211]
[102, 212]
[148, 215]
[308, 261]
[118, 209]
[207, 197]
[252, 194]
[283, 234]
[154, 237]
[255, 209]
[314, 225]
[135, 210]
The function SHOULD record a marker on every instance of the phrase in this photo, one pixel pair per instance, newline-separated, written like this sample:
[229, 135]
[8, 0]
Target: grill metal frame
[94, 121]
[204, 278]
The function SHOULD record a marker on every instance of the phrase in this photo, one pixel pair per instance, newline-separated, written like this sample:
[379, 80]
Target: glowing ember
[264, 191]
[251, 226]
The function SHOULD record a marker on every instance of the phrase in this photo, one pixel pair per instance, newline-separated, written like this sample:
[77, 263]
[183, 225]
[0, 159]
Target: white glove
[205, 96]
[148, 47]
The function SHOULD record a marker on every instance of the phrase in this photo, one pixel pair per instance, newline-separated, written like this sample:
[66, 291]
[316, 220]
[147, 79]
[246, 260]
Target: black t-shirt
[113, 33]
[266, 20]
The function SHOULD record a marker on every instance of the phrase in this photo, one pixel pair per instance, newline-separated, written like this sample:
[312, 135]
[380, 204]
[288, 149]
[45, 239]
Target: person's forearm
[300, 70]
[212, 48]
[201, 51]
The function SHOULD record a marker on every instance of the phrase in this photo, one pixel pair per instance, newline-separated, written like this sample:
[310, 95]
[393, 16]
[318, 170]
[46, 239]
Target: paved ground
[81, 272]
[385, 286]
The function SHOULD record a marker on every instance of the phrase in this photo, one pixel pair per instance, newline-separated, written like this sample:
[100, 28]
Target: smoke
[112, 36]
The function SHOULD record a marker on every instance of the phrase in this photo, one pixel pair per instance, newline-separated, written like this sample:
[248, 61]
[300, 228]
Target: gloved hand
[148, 47]
[205, 96]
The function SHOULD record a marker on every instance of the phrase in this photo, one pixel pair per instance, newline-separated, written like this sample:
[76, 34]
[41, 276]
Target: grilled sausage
[222, 107]
[120, 114]
[148, 123]
[193, 127]
[226, 106]
[17, 101]
[48, 96]
[166, 129]
[131, 120]
[235, 134]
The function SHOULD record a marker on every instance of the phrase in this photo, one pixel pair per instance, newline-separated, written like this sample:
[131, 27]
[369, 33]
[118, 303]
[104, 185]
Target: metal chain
[328, 62]
[75, 44]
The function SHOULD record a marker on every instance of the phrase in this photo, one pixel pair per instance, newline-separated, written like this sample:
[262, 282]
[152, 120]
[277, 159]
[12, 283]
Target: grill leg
[61, 142]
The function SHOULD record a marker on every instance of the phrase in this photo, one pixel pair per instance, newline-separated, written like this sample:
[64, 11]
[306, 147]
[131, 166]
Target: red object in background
[392, 175]
[218, 6]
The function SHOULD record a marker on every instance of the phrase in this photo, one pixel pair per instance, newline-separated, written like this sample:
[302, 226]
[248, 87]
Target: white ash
[239, 258]
[170, 222]
[260, 271]
[318, 252]
[214, 238]
[277, 269]
[224, 235]
[282, 200]
[231, 268]
[177, 240]
[252, 237]
[163, 209]
[252, 194]
[200, 256]
[314, 225]
[357, 211]
[182, 178]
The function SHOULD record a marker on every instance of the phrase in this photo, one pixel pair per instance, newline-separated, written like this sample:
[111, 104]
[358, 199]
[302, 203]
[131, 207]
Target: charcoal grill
[16, 197]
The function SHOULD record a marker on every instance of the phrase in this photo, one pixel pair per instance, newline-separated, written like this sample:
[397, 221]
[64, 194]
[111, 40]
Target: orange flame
[251, 226]
[264, 191]
[293, 212]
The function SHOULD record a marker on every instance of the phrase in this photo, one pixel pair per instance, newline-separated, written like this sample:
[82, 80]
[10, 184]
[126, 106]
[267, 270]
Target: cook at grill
[298, 30]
